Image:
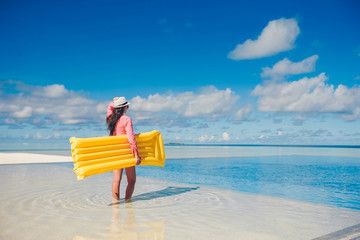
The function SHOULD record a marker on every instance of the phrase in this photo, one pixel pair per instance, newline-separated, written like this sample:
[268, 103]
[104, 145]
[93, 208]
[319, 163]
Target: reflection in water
[124, 226]
[123, 220]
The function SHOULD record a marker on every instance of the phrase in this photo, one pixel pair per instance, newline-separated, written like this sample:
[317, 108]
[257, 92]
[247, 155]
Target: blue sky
[221, 72]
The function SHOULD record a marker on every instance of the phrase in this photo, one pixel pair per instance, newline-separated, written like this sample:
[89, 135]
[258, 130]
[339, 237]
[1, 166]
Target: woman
[119, 124]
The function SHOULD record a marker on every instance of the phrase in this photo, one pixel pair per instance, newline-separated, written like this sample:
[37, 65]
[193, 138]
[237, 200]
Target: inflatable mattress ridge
[102, 154]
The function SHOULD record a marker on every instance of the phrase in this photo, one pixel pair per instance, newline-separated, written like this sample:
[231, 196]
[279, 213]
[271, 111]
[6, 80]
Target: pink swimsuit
[124, 127]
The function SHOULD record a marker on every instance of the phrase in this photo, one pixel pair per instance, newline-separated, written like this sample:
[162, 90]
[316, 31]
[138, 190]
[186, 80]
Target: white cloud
[309, 95]
[46, 105]
[226, 136]
[263, 137]
[243, 113]
[206, 138]
[10, 121]
[354, 114]
[41, 136]
[211, 138]
[24, 112]
[298, 120]
[53, 102]
[278, 36]
[287, 67]
[210, 103]
[54, 91]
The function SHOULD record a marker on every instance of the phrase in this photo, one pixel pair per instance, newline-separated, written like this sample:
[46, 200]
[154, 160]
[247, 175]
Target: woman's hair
[113, 119]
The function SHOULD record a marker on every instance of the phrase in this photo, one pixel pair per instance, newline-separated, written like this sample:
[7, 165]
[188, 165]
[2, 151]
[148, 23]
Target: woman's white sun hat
[120, 102]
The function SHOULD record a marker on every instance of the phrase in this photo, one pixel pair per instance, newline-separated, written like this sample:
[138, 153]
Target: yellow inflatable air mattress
[102, 154]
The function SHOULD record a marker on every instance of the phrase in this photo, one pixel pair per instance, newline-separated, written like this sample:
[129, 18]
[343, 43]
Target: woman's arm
[131, 137]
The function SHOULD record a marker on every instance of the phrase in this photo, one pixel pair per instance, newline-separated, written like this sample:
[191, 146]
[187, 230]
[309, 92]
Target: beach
[41, 199]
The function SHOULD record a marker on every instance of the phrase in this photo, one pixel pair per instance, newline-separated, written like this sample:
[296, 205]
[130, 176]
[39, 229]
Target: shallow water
[44, 201]
[318, 179]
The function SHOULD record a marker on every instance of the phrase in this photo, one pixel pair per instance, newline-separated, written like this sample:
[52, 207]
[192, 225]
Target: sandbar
[39, 201]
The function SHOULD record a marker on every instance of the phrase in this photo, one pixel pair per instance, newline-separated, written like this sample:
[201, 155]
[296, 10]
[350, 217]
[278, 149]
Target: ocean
[317, 179]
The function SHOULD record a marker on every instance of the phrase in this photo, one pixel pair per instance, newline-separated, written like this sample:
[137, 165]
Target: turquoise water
[318, 179]
[320, 175]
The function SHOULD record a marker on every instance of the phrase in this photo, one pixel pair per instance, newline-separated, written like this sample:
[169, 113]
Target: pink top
[124, 127]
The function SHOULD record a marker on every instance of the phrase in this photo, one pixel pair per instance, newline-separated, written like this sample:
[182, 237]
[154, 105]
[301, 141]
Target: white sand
[42, 201]
[22, 158]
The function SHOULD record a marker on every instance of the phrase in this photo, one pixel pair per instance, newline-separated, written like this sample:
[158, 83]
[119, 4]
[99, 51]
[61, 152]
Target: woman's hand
[138, 160]
[115, 98]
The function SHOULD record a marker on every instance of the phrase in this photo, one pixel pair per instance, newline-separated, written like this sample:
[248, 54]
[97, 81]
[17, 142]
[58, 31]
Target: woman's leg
[131, 178]
[117, 174]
